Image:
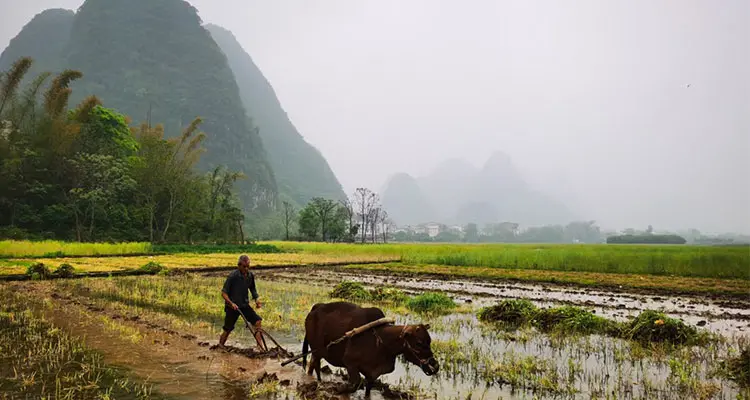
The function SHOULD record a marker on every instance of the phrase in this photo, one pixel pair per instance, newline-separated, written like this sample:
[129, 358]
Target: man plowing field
[237, 303]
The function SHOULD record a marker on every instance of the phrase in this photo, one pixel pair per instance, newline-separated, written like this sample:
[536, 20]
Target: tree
[387, 226]
[347, 207]
[472, 233]
[374, 220]
[289, 214]
[365, 201]
[317, 217]
[100, 180]
[83, 174]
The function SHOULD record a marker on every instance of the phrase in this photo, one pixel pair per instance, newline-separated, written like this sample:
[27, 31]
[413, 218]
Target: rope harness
[407, 346]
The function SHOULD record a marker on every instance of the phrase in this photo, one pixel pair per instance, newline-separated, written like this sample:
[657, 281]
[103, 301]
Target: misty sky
[589, 98]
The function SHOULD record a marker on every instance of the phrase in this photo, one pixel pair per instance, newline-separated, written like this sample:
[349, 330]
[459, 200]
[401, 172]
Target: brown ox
[372, 353]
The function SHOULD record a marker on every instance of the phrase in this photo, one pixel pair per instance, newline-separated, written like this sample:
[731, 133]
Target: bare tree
[348, 207]
[374, 222]
[289, 213]
[365, 200]
[386, 225]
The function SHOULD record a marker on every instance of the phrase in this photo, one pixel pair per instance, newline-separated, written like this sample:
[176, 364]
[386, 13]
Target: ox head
[417, 348]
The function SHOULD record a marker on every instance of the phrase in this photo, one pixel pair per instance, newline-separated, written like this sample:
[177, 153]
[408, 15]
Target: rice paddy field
[506, 321]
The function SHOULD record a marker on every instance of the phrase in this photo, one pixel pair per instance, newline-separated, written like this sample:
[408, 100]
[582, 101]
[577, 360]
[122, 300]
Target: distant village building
[433, 229]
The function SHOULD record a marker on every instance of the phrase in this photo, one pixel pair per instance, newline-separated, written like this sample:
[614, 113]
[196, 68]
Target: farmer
[236, 300]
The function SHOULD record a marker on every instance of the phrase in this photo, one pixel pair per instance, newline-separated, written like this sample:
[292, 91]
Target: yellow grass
[25, 248]
[185, 260]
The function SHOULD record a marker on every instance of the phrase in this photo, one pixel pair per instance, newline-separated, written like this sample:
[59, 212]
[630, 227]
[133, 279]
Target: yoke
[363, 328]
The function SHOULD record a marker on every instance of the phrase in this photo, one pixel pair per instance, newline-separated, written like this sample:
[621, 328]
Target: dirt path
[183, 365]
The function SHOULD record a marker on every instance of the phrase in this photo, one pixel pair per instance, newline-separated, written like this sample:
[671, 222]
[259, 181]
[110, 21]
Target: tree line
[82, 173]
[359, 218]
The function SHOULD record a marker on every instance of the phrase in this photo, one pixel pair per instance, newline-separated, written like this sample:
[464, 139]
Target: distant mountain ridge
[458, 193]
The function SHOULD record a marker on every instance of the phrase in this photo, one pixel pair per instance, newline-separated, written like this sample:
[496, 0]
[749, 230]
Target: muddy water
[580, 368]
[728, 318]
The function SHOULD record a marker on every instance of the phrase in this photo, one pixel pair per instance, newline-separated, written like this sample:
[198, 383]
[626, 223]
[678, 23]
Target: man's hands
[234, 306]
[257, 303]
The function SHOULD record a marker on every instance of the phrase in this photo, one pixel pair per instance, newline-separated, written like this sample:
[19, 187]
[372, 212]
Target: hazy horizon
[631, 112]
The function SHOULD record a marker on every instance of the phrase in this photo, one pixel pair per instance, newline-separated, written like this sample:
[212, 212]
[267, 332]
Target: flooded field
[160, 330]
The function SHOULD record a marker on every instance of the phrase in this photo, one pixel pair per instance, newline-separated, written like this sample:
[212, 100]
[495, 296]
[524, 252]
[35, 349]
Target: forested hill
[155, 56]
[154, 61]
[43, 38]
[301, 170]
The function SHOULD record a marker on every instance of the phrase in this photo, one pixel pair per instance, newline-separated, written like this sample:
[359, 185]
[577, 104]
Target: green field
[678, 260]
[729, 262]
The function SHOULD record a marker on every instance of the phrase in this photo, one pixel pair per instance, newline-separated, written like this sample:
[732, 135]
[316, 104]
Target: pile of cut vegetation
[515, 312]
[653, 326]
[648, 327]
[432, 302]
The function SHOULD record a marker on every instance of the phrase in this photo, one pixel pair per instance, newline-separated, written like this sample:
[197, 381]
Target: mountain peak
[300, 169]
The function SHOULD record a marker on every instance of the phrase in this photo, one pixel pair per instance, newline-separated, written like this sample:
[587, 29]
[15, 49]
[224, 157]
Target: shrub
[152, 268]
[574, 320]
[653, 326]
[646, 239]
[512, 311]
[431, 303]
[65, 271]
[388, 294]
[38, 271]
[738, 368]
[353, 291]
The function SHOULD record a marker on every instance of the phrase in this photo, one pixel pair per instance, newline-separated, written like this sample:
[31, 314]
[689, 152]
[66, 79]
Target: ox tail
[304, 353]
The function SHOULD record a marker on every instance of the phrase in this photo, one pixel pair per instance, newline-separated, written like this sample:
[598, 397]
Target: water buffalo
[372, 353]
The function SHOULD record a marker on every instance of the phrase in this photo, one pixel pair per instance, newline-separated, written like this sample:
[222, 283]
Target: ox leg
[314, 365]
[311, 366]
[354, 379]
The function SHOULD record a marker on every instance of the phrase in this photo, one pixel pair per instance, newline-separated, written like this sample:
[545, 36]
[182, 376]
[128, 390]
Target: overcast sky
[589, 98]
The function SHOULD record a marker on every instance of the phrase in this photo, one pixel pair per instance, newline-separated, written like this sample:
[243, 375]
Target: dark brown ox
[372, 353]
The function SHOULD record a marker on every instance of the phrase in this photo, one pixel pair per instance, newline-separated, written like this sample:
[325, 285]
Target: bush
[431, 303]
[152, 268]
[646, 239]
[65, 271]
[574, 320]
[388, 294]
[512, 311]
[653, 326]
[352, 291]
[738, 368]
[38, 271]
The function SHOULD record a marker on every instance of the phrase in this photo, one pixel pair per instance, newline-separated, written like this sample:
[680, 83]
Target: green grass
[669, 260]
[51, 248]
